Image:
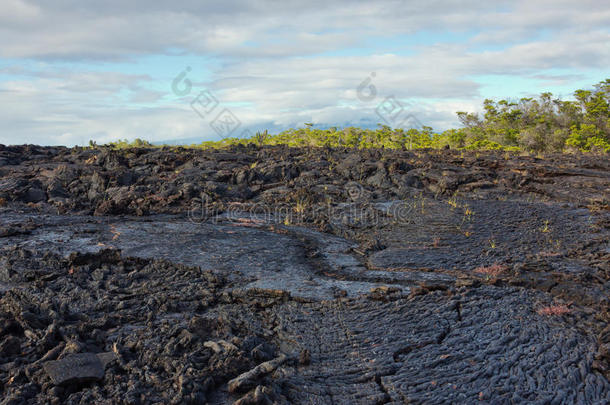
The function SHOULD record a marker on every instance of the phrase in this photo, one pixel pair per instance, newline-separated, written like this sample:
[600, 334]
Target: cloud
[112, 29]
[277, 63]
[72, 108]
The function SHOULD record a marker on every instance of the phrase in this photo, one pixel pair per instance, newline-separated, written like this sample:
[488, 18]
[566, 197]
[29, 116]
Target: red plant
[436, 242]
[553, 310]
[493, 271]
[547, 253]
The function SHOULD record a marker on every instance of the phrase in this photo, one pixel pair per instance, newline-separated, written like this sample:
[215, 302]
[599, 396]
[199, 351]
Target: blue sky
[74, 71]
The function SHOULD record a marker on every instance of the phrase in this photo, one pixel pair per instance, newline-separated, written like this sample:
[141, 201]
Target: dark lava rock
[76, 369]
[11, 345]
[449, 277]
[261, 395]
[34, 195]
[249, 378]
[379, 179]
[409, 180]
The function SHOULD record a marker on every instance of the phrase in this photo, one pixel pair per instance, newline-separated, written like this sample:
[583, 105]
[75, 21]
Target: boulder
[34, 195]
[78, 368]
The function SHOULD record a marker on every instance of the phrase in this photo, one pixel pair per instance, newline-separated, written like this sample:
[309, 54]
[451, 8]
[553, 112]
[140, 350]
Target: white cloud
[276, 58]
[112, 29]
[19, 13]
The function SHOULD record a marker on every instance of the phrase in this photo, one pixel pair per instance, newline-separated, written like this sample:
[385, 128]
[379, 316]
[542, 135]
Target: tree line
[540, 125]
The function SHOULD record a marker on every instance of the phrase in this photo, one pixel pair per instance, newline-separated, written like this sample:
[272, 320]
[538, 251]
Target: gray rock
[107, 358]
[78, 368]
[6, 272]
[248, 379]
[410, 180]
[259, 395]
[35, 195]
[379, 179]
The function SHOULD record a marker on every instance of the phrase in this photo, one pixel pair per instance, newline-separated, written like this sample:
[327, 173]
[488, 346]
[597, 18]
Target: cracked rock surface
[316, 276]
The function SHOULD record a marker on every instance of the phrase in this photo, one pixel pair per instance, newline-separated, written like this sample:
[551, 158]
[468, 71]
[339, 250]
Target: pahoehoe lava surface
[316, 276]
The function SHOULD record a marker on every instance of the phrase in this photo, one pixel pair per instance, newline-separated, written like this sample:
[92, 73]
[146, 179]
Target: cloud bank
[71, 71]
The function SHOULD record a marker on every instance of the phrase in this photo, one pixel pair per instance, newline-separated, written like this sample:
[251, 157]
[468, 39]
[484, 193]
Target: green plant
[531, 125]
[261, 137]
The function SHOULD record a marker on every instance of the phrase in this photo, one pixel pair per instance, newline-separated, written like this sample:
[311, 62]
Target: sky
[187, 71]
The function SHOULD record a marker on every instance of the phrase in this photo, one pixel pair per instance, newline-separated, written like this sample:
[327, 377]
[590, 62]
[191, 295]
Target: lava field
[276, 275]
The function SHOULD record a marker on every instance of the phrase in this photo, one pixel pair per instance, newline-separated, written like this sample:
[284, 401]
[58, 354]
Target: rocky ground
[316, 276]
